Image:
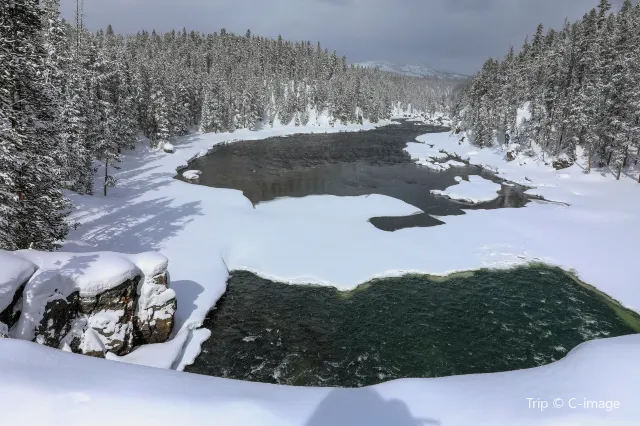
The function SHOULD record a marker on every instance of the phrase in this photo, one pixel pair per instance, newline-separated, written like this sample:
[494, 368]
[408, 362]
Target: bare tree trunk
[619, 171]
[106, 176]
[609, 159]
[626, 157]
[589, 161]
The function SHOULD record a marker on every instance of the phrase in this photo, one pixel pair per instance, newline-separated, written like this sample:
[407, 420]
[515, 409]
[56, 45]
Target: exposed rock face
[157, 306]
[562, 163]
[110, 314]
[56, 320]
[11, 314]
[4, 330]
[512, 152]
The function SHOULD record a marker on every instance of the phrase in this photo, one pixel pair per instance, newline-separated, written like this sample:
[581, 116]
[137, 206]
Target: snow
[523, 114]
[75, 390]
[150, 263]
[88, 273]
[191, 174]
[14, 271]
[454, 163]
[92, 342]
[168, 147]
[476, 190]
[327, 240]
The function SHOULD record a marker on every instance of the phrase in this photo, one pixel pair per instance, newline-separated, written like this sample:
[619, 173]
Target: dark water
[345, 164]
[414, 326]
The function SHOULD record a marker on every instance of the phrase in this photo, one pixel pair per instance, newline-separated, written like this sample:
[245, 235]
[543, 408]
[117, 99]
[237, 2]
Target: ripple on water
[415, 326]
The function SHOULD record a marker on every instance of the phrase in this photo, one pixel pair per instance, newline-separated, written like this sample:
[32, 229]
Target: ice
[476, 190]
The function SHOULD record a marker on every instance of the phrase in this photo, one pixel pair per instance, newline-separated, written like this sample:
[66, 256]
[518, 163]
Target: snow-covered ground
[205, 232]
[596, 384]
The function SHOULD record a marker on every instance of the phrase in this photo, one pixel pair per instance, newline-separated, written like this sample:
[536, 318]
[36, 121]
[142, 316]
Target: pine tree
[32, 209]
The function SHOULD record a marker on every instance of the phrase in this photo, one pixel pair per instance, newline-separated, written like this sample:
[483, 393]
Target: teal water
[415, 326]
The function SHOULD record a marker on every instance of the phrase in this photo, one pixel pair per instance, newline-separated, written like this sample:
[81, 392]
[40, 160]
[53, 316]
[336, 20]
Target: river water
[415, 326]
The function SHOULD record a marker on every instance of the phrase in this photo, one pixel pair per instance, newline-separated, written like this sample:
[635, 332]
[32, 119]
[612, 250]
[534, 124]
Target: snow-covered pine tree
[32, 209]
[580, 84]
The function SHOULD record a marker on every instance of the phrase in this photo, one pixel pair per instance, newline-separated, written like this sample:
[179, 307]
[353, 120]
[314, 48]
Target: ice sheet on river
[477, 189]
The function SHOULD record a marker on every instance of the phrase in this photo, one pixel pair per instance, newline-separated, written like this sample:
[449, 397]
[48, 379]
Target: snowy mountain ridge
[412, 70]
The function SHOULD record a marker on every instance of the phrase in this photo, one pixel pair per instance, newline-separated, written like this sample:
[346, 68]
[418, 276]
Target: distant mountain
[412, 70]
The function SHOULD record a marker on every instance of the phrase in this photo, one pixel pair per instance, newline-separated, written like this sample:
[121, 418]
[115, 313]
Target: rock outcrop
[512, 152]
[90, 303]
[562, 163]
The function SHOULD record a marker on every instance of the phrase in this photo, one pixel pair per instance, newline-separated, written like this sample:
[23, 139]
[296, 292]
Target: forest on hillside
[581, 85]
[71, 99]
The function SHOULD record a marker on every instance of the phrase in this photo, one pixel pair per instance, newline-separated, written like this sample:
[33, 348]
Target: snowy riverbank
[596, 384]
[205, 232]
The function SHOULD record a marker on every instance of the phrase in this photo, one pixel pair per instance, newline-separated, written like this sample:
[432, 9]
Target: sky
[453, 35]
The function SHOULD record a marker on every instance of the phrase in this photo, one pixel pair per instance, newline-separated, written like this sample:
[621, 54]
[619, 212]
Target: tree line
[72, 101]
[580, 85]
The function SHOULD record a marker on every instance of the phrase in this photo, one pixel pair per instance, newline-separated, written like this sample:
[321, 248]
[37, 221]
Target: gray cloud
[457, 35]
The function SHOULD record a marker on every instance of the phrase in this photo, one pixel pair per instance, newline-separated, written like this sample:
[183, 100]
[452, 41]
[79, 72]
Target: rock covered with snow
[14, 274]
[157, 303]
[562, 162]
[191, 174]
[512, 151]
[169, 148]
[89, 303]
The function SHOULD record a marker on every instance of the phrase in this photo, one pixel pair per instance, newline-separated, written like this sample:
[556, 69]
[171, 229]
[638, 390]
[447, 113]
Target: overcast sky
[455, 35]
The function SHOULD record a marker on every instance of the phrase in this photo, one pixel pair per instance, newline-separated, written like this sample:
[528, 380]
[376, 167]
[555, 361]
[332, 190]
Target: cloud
[458, 35]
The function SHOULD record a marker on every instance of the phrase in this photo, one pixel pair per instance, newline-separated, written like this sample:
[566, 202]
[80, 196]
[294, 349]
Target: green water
[415, 326]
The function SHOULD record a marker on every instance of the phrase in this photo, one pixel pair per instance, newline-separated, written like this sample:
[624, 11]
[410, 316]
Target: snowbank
[41, 386]
[476, 190]
[88, 273]
[14, 272]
